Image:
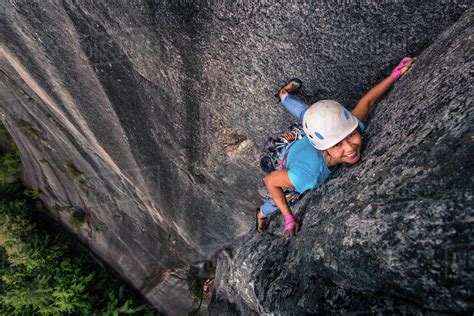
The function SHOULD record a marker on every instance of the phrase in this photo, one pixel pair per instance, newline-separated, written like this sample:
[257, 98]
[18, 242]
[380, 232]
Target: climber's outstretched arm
[368, 100]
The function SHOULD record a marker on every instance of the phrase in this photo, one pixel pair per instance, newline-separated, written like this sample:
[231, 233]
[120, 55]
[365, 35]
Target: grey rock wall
[148, 117]
[392, 234]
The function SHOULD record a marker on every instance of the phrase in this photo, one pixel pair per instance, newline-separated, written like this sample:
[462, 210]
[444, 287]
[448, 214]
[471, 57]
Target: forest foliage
[40, 270]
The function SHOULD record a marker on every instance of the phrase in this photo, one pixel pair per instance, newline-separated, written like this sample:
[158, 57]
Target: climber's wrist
[289, 218]
[395, 75]
[392, 80]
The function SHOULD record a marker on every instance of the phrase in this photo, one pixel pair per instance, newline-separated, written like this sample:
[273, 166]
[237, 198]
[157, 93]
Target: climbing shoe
[260, 223]
[291, 87]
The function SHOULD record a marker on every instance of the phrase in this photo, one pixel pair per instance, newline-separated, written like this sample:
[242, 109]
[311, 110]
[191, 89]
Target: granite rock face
[392, 234]
[148, 117]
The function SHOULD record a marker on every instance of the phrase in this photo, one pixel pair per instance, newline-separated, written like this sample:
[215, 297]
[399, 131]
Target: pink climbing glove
[396, 72]
[292, 226]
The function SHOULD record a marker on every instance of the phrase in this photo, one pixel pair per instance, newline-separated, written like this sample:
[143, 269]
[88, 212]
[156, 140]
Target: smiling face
[347, 150]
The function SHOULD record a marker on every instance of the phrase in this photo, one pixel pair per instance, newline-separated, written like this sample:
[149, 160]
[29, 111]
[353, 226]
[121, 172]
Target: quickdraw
[276, 149]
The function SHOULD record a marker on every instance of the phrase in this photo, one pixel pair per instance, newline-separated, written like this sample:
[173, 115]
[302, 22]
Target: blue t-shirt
[306, 165]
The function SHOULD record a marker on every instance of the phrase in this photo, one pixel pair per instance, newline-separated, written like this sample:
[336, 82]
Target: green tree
[41, 274]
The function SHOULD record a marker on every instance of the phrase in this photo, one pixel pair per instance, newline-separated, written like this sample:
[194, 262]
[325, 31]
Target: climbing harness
[276, 148]
[276, 151]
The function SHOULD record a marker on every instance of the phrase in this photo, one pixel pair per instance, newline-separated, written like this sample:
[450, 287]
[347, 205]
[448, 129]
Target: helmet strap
[325, 155]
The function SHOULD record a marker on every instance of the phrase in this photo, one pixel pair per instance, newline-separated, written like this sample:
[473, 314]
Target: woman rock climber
[333, 136]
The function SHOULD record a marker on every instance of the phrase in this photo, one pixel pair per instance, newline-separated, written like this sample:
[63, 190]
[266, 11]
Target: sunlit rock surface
[148, 117]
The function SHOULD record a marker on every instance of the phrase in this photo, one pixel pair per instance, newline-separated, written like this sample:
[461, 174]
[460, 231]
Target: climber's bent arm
[369, 99]
[276, 181]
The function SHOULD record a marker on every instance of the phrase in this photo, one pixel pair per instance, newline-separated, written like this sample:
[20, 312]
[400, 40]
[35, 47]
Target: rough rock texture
[392, 234]
[148, 117]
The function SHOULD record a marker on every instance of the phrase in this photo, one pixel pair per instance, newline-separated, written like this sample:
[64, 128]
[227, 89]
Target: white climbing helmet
[327, 122]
